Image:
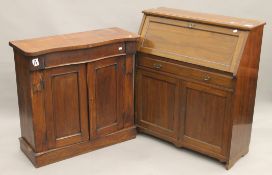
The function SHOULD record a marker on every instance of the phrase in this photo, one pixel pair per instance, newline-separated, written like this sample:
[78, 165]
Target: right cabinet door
[106, 95]
[205, 116]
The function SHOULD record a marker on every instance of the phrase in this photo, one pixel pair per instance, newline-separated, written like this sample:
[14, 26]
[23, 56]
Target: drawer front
[83, 55]
[185, 71]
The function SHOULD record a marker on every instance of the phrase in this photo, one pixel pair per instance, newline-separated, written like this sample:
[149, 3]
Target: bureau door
[106, 88]
[66, 105]
[205, 118]
[157, 103]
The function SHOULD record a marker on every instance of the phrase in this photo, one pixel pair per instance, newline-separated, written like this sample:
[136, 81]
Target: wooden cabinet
[75, 92]
[196, 77]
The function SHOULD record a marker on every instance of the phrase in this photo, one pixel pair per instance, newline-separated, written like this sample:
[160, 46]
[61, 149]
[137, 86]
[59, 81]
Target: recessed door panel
[157, 103]
[106, 86]
[205, 117]
[66, 105]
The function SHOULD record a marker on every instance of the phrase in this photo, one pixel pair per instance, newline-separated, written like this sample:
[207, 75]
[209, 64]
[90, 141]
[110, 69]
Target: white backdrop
[22, 19]
[31, 18]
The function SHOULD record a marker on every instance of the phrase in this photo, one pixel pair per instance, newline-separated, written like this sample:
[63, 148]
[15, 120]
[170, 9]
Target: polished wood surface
[162, 92]
[193, 73]
[48, 157]
[218, 20]
[81, 40]
[211, 46]
[24, 97]
[180, 61]
[74, 101]
[106, 87]
[205, 115]
[66, 105]
[196, 80]
[244, 97]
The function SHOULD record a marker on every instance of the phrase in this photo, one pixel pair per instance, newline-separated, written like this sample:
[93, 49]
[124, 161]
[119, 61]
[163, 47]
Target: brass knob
[207, 78]
[157, 66]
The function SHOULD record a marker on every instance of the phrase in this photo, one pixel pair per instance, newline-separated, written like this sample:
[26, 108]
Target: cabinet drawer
[186, 72]
[83, 55]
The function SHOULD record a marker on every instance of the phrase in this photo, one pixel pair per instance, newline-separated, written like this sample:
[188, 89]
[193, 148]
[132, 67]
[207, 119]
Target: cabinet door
[157, 103]
[105, 87]
[66, 105]
[205, 118]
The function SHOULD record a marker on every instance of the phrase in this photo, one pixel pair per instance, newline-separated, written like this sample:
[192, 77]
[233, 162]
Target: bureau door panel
[157, 103]
[66, 105]
[205, 117]
[105, 83]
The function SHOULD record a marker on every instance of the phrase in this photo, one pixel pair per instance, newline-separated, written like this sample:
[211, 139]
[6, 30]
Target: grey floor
[144, 155]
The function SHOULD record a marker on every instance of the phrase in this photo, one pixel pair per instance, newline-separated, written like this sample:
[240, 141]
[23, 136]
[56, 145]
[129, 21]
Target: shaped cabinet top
[81, 40]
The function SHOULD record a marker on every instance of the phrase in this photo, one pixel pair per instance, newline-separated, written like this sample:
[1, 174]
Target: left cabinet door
[66, 105]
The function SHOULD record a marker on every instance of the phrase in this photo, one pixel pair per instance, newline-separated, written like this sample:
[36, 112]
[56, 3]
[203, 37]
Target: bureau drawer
[186, 72]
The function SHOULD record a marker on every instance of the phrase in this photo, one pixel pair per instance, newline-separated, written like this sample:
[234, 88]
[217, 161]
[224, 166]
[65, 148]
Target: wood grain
[187, 72]
[75, 100]
[244, 97]
[24, 97]
[245, 24]
[106, 86]
[217, 85]
[205, 45]
[205, 116]
[66, 105]
[81, 40]
[157, 103]
[51, 156]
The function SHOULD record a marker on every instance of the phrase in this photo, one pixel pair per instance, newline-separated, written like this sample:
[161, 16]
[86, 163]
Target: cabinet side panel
[24, 97]
[38, 111]
[244, 97]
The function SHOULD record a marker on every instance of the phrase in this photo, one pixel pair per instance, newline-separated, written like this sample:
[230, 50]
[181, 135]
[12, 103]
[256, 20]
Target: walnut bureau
[75, 92]
[196, 79]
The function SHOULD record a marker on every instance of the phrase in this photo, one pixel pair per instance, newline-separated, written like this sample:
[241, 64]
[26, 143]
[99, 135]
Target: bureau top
[245, 24]
[81, 40]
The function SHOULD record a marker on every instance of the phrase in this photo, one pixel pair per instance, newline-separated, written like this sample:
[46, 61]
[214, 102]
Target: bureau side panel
[244, 97]
[24, 97]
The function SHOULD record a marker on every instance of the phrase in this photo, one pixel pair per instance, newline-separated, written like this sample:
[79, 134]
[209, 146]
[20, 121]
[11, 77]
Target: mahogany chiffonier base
[55, 155]
[75, 92]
